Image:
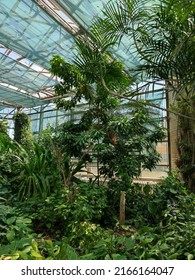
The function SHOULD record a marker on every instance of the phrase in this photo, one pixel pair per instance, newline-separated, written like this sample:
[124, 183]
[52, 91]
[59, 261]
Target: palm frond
[122, 18]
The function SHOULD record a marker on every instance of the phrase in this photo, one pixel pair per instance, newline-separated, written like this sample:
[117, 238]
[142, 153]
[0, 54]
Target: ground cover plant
[82, 222]
[161, 226]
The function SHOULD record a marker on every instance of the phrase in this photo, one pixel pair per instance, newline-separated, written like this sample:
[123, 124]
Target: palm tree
[162, 32]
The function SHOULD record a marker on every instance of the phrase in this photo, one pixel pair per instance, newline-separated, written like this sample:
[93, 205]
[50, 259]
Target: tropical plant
[13, 223]
[60, 212]
[8, 148]
[63, 143]
[38, 249]
[3, 126]
[120, 144]
[22, 132]
[36, 172]
[5, 140]
[162, 32]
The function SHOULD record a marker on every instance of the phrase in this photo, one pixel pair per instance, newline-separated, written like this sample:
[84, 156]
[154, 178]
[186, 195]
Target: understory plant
[8, 147]
[35, 172]
[60, 211]
[160, 223]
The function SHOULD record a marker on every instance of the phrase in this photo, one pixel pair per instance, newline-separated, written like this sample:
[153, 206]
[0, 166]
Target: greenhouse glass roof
[31, 32]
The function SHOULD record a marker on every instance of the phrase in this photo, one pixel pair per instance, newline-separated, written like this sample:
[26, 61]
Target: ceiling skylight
[55, 10]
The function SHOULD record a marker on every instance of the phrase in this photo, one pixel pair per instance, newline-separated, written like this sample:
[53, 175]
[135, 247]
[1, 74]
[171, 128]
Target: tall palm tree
[163, 34]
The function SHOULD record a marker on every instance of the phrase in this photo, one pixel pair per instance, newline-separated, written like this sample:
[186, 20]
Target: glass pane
[30, 31]
[19, 99]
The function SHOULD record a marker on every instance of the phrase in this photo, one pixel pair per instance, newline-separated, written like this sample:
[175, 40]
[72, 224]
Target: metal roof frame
[31, 32]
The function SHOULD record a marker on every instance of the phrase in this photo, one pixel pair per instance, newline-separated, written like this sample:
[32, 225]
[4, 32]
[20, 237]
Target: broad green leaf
[164, 246]
[37, 255]
[10, 221]
[129, 244]
[118, 257]
[10, 236]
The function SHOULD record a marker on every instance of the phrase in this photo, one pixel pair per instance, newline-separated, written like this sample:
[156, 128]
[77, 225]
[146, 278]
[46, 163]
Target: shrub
[56, 214]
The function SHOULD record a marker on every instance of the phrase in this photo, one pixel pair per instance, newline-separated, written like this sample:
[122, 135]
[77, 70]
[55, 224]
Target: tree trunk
[186, 147]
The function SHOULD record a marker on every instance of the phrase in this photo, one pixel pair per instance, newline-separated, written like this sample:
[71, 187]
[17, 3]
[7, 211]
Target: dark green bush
[56, 214]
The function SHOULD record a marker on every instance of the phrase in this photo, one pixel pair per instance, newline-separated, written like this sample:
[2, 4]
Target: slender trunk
[98, 165]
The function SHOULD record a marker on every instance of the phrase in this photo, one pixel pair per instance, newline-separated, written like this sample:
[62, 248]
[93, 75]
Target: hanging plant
[22, 133]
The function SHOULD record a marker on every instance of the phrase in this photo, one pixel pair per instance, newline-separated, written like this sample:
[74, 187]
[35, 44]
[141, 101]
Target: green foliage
[36, 172]
[63, 144]
[121, 145]
[5, 170]
[3, 126]
[85, 235]
[90, 202]
[5, 140]
[85, 75]
[52, 214]
[129, 144]
[56, 214]
[8, 148]
[38, 249]
[73, 138]
[71, 77]
[168, 210]
[185, 142]
[163, 35]
[160, 225]
[58, 250]
[22, 133]
[71, 151]
[67, 216]
[14, 225]
[145, 205]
